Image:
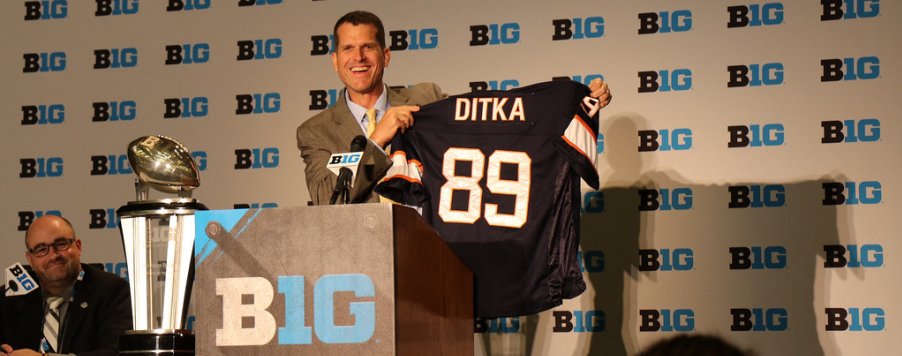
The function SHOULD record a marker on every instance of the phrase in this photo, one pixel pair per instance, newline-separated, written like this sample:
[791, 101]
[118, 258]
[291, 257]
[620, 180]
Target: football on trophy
[164, 164]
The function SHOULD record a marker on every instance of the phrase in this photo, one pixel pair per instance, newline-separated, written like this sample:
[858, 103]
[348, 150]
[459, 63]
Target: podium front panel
[288, 281]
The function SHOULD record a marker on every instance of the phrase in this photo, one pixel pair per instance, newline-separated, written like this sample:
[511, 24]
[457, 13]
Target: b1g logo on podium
[494, 34]
[46, 10]
[413, 39]
[578, 321]
[755, 15]
[666, 320]
[250, 298]
[759, 319]
[665, 22]
[855, 319]
[849, 9]
[43, 114]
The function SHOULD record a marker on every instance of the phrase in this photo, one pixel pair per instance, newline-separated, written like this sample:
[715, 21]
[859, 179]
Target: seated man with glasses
[78, 309]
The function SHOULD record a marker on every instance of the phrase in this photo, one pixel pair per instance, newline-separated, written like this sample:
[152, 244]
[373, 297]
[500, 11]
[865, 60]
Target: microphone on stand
[345, 166]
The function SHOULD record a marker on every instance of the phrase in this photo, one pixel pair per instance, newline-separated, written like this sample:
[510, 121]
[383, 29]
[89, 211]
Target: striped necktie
[370, 121]
[52, 322]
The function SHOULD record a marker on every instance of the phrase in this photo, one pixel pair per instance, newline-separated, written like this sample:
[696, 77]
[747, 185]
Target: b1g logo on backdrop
[755, 15]
[103, 219]
[41, 167]
[757, 196]
[242, 3]
[259, 49]
[110, 165]
[494, 34]
[188, 53]
[502, 84]
[322, 44]
[185, 107]
[757, 257]
[46, 10]
[27, 217]
[665, 80]
[848, 131]
[187, 5]
[678, 259]
[665, 199]
[855, 319]
[853, 256]
[849, 9]
[51, 114]
[105, 111]
[591, 261]
[593, 202]
[116, 7]
[44, 62]
[852, 193]
[258, 103]
[323, 99]
[585, 79]
[754, 75]
[200, 158]
[256, 158]
[503, 325]
[761, 135]
[413, 39]
[578, 321]
[113, 58]
[850, 68]
[665, 22]
[679, 139]
[759, 319]
[577, 28]
[666, 320]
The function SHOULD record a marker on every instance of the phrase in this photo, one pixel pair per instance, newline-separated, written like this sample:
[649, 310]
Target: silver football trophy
[158, 237]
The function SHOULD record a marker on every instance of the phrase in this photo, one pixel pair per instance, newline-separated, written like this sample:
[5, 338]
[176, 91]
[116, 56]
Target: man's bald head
[48, 219]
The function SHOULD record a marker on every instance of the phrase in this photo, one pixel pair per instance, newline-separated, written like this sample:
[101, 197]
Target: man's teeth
[359, 69]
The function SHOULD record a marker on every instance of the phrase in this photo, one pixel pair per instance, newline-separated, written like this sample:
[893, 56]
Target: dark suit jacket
[332, 130]
[100, 312]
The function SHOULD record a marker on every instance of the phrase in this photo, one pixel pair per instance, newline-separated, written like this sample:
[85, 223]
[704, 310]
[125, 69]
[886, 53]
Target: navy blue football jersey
[497, 174]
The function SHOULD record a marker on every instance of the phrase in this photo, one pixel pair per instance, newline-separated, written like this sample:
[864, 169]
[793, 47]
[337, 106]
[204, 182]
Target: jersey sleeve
[579, 140]
[403, 182]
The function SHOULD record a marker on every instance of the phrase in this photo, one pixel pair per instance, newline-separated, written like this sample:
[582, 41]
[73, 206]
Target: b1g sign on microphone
[350, 160]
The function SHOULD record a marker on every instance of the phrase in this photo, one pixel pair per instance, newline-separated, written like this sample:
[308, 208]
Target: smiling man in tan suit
[359, 59]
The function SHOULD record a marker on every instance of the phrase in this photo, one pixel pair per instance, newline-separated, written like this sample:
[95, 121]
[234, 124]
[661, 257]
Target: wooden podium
[353, 279]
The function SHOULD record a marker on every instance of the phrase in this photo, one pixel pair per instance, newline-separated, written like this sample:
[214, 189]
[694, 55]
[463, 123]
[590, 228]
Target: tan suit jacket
[332, 130]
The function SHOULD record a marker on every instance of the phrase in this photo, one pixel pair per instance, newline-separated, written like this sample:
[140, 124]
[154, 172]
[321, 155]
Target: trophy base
[157, 343]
